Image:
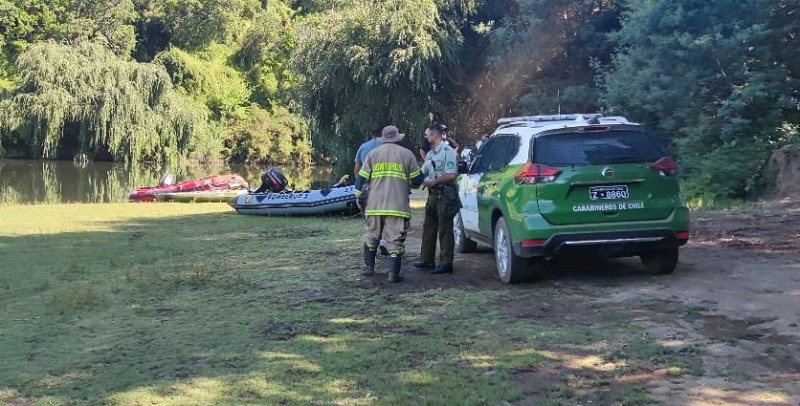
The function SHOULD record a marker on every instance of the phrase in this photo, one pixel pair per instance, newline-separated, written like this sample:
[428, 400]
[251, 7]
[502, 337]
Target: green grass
[192, 304]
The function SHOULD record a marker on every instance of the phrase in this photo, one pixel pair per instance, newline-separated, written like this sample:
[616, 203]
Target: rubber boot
[368, 269]
[394, 268]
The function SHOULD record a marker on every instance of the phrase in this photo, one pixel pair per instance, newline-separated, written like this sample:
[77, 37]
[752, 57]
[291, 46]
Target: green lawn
[193, 304]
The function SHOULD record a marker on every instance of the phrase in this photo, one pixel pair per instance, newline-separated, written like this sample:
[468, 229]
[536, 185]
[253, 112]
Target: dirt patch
[768, 227]
[729, 312]
[538, 383]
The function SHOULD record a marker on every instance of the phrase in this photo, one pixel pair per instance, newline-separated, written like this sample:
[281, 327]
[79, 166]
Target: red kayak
[228, 181]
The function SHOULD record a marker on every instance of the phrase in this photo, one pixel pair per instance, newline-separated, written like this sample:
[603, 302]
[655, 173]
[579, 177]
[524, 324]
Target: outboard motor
[342, 181]
[272, 181]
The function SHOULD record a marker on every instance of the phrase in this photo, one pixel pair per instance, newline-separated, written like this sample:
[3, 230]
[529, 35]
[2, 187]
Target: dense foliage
[383, 61]
[104, 106]
[263, 81]
[716, 77]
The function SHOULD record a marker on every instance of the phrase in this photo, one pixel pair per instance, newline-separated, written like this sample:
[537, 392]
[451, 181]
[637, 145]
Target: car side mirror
[474, 164]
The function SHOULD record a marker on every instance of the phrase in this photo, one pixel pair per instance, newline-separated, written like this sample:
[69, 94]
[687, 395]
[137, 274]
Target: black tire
[462, 243]
[510, 267]
[661, 262]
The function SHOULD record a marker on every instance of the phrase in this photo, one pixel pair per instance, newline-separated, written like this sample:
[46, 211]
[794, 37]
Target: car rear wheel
[510, 267]
[462, 243]
[660, 262]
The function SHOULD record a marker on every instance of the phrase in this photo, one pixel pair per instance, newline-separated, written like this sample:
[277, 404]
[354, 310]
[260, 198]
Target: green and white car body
[571, 185]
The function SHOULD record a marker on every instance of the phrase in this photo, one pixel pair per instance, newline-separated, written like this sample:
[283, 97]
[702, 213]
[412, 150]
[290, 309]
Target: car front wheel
[462, 243]
[510, 267]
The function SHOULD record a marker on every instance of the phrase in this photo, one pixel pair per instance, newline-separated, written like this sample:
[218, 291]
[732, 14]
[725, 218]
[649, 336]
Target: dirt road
[734, 299]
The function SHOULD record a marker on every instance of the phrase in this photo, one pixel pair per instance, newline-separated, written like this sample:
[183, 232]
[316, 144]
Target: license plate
[608, 192]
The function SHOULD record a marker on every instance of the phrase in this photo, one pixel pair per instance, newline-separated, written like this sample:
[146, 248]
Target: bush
[269, 138]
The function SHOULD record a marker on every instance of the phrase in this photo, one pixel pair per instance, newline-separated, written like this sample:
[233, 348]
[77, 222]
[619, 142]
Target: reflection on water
[40, 181]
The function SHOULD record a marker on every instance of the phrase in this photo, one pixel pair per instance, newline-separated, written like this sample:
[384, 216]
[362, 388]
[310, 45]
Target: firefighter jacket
[390, 170]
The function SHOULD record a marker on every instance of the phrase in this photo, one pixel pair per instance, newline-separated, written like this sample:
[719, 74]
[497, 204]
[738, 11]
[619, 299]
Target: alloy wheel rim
[501, 251]
[457, 228]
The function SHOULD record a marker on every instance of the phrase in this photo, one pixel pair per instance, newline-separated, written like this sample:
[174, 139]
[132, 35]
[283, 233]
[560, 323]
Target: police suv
[571, 185]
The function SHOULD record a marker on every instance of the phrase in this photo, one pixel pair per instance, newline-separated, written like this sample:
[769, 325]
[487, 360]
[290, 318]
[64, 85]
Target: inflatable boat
[201, 196]
[297, 202]
[167, 185]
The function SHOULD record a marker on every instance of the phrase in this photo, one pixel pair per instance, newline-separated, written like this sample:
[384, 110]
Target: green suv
[571, 185]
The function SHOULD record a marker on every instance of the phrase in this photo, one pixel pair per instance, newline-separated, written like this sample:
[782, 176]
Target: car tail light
[683, 235]
[536, 173]
[665, 167]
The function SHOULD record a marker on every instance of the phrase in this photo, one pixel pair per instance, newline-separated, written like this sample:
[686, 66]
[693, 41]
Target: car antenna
[558, 100]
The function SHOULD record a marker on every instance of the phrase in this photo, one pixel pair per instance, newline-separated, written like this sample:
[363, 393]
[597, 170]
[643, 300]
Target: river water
[45, 181]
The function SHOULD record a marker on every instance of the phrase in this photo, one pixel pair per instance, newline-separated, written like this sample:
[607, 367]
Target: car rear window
[596, 148]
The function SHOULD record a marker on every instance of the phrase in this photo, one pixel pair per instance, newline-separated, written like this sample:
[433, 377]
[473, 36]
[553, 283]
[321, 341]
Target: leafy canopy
[712, 76]
[88, 96]
[373, 62]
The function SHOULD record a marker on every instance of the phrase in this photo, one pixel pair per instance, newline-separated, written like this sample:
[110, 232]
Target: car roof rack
[537, 121]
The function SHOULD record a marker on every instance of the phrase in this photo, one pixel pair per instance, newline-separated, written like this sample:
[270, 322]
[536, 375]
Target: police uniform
[440, 208]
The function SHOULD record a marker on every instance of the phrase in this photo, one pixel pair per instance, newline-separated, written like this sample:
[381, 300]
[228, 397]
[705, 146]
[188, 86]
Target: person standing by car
[440, 169]
[479, 144]
[389, 170]
[425, 145]
[450, 140]
[365, 148]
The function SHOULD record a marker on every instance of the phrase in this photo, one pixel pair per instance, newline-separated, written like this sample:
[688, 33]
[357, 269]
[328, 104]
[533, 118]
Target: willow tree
[264, 54]
[376, 60]
[195, 24]
[86, 99]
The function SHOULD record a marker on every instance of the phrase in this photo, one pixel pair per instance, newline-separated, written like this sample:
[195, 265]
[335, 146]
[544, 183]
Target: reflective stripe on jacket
[389, 170]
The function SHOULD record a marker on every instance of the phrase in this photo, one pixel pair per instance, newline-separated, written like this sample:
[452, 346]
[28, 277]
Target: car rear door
[606, 176]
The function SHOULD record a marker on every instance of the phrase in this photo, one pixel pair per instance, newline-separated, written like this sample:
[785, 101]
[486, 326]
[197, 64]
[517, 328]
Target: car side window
[496, 154]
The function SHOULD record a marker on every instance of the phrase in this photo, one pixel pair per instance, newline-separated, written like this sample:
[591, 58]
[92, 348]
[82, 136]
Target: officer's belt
[441, 188]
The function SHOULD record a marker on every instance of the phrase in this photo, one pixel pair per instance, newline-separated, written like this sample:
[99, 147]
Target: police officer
[440, 170]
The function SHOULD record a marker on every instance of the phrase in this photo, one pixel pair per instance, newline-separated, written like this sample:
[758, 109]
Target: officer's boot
[442, 269]
[420, 264]
[395, 260]
[368, 268]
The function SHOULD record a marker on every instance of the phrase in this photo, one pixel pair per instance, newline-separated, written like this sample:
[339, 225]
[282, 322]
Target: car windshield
[596, 148]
